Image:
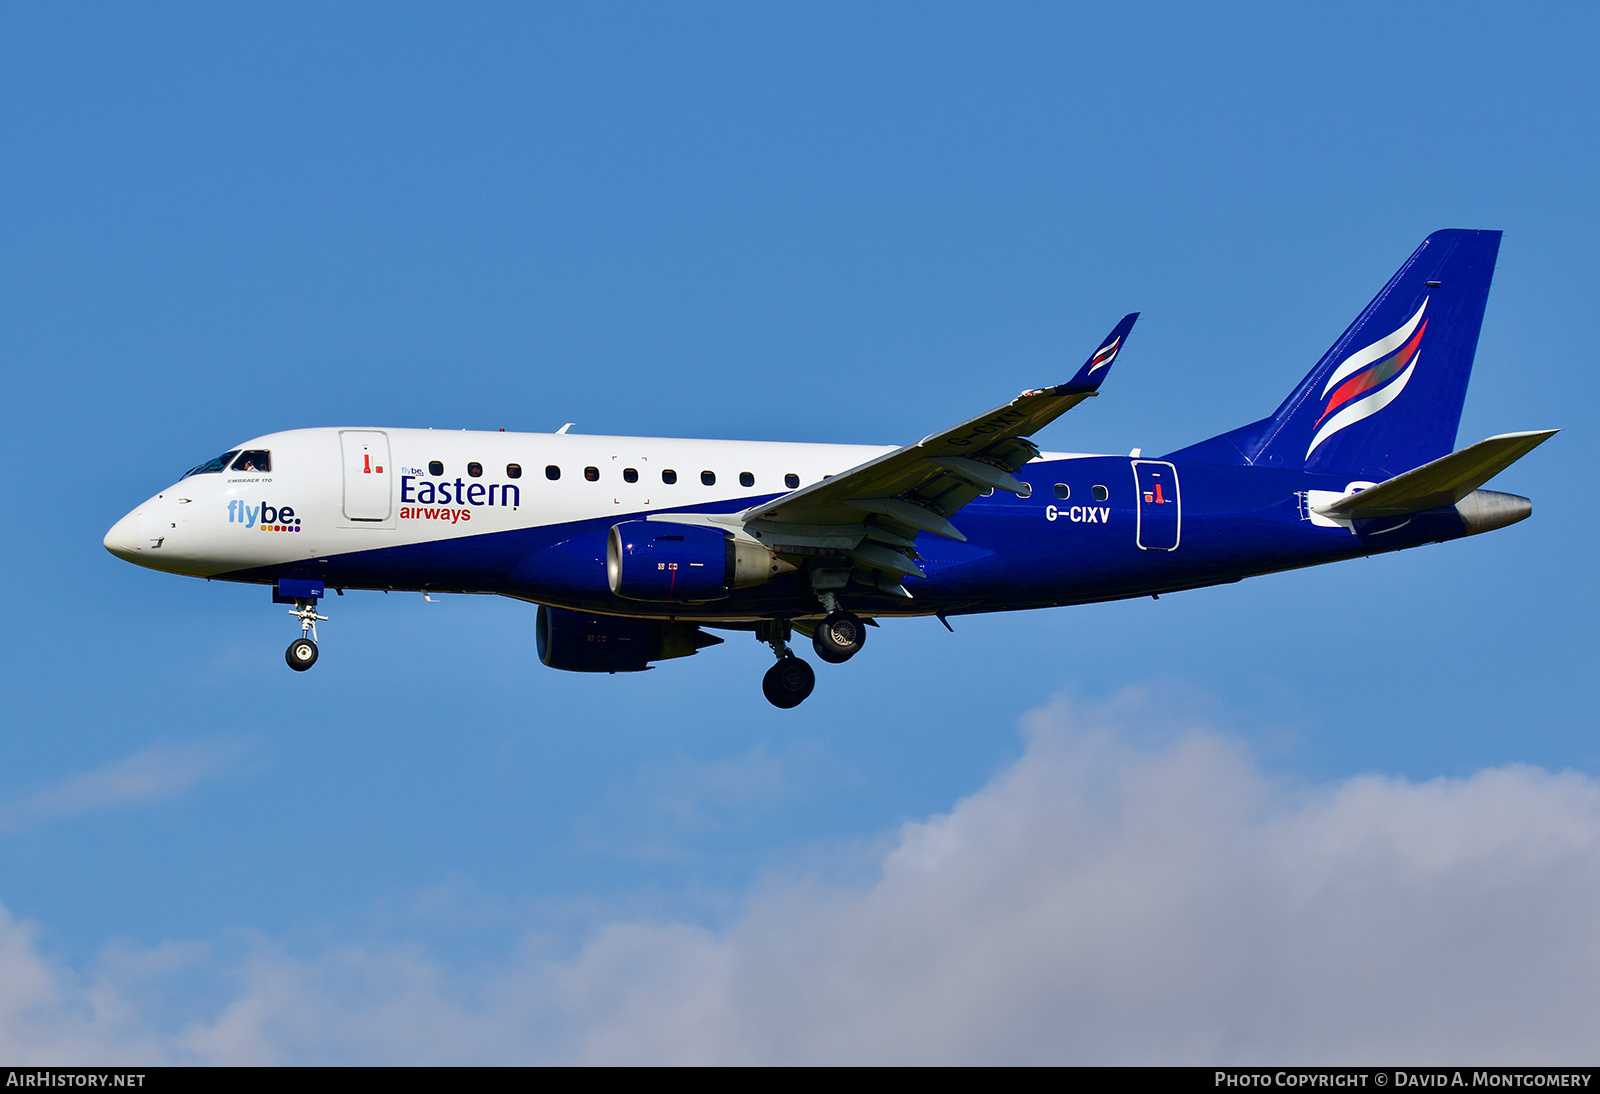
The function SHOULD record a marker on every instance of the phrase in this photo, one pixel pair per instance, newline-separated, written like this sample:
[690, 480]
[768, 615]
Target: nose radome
[123, 539]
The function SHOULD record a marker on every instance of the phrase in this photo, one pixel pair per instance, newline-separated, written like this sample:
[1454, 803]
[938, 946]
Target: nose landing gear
[302, 652]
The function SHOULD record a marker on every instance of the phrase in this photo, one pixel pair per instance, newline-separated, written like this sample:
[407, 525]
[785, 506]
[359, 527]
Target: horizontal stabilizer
[1442, 482]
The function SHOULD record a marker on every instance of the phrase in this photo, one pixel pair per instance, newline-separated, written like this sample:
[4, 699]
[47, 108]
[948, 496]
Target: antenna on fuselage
[564, 428]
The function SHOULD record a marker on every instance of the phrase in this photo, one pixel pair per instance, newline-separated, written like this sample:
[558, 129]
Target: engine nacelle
[664, 562]
[579, 642]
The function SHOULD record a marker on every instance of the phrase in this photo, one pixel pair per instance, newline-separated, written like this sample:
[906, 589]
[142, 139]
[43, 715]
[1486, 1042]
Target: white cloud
[161, 771]
[1098, 901]
[49, 1015]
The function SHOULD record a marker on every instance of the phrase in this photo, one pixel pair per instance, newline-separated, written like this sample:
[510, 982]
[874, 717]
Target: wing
[869, 516]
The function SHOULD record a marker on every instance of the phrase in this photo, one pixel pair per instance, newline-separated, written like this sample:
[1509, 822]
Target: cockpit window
[253, 459]
[211, 467]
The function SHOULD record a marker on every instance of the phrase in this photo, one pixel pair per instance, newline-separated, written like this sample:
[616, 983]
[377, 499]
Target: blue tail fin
[1387, 396]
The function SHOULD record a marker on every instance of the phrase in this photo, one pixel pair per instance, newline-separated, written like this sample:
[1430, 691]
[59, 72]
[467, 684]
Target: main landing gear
[837, 638]
[841, 634]
[787, 683]
[302, 652]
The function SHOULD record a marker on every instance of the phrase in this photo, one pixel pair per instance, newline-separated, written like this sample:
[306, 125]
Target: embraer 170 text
[634, 548]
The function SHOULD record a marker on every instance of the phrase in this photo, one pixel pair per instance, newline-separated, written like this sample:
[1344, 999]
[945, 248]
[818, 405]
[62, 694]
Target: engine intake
[664, 562]
[579, 642]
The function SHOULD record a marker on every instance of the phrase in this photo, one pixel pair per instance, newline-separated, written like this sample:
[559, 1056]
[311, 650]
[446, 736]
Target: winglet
[1098, 366]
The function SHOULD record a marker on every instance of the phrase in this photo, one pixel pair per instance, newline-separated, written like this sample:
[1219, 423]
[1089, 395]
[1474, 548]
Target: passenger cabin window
[792, 481]
[630, 474]
[669, 476]
[211, 467]
[435, 468]
[513, 471]
[746, 479]
[1100, 493]
[253, 459]
[552, 472]
[1063, 491]
[708, 477]
[475, 470]
[592, 474]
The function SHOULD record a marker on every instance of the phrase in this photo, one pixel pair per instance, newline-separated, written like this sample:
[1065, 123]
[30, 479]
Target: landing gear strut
[787, 683]
[302, 652]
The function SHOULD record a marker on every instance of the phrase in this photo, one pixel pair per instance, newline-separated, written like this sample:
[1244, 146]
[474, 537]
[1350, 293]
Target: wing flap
[983, 474]
[910, 514]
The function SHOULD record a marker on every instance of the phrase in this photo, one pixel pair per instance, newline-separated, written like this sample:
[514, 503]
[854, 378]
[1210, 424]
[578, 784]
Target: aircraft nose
[123, 539]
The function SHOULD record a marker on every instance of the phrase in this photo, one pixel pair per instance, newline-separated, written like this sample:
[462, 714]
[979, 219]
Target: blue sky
[796, 222]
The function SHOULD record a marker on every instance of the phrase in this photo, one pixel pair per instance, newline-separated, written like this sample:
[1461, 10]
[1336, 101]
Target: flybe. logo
[1370, 379]
[268, 518]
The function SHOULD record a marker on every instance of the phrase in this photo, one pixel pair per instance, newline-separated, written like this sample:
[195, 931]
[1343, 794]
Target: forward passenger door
[367, 475]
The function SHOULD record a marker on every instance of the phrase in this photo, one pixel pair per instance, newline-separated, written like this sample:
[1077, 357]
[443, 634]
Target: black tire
[839, 637]
[301, 654]
[787, 683]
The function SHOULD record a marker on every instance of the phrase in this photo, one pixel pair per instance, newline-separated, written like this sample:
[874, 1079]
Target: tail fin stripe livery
[1384, 370]
[1362, 409]
[1361, 358]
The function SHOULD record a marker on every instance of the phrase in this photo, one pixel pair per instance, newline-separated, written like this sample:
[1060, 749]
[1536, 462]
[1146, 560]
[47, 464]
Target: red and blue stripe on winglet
[1098, 366]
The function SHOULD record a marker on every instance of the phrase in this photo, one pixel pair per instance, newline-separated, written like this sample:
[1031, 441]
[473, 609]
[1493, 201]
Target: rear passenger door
[1159, 510]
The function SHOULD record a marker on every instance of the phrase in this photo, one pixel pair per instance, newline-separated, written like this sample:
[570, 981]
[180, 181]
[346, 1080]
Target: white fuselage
[357, 489]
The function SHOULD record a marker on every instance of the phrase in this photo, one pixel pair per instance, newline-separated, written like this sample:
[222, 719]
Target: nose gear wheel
[301, 654]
